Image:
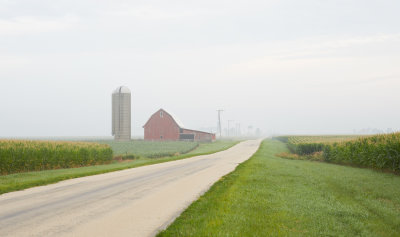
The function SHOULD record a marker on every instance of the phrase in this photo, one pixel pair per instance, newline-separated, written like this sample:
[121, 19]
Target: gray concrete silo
[121, 114]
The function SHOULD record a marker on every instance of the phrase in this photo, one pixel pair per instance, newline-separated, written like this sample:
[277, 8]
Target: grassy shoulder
[271, 196]
[19, 181]
[209, 148]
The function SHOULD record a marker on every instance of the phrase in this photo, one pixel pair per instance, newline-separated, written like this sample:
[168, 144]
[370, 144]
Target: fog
[285, 67]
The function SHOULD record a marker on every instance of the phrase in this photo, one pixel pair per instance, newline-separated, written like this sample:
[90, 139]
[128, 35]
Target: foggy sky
[299, 67]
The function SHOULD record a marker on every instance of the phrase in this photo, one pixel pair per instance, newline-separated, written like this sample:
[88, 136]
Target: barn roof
[177, 121]
[197, 131]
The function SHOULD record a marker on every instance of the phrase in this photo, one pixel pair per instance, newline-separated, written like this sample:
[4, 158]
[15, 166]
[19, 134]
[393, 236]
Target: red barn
[163, 126]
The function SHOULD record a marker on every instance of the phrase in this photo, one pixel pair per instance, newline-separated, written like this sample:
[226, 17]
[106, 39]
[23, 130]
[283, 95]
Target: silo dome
[122, 89]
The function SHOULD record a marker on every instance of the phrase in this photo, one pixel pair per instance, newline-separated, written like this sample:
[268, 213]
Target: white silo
[121, 114]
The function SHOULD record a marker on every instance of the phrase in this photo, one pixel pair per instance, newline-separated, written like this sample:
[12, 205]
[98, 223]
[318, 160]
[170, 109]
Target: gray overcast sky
[284, 66]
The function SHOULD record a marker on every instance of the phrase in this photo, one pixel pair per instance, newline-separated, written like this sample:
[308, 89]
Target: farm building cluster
[161, 126]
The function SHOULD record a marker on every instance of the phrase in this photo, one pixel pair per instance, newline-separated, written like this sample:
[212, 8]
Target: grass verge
[19, 181]
[150, 149]
[271, 196]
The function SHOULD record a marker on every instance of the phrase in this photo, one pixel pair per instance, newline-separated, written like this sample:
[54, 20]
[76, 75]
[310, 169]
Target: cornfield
[308, 145]
[22, 156]
[379, 151]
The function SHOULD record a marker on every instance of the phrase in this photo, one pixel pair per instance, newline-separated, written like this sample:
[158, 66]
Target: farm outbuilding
[163, 126]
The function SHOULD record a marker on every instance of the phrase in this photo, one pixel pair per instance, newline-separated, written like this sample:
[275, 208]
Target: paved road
[133, 202]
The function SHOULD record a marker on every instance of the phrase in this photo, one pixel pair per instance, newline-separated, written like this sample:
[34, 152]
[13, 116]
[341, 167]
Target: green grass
[206, 148]
[19, 181]
[150, 149]
[271, 196]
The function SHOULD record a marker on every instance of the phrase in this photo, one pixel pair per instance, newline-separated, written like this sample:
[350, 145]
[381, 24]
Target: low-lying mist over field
[274, 67]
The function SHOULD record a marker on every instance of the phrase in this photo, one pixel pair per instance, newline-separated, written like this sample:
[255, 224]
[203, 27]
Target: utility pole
[219, 122]
[229, 121]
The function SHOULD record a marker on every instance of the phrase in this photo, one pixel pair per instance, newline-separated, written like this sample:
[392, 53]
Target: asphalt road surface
[134, 202]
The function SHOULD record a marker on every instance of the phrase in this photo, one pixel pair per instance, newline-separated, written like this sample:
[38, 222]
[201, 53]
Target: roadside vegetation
[207, 148]
[141, 148]
[19, 181]
[23, 156]
[307, 145]
[319, 139]
[271, 196]
[378, 152]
